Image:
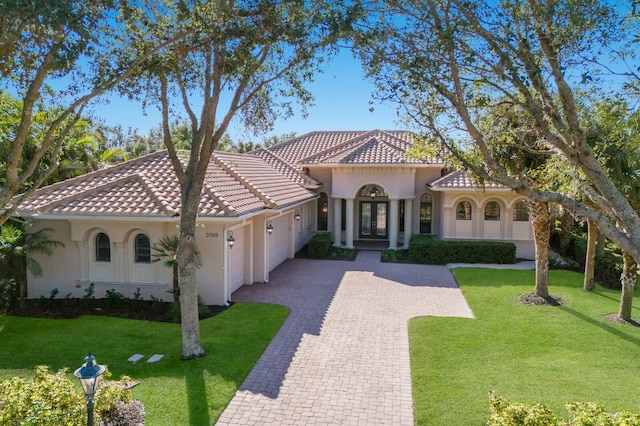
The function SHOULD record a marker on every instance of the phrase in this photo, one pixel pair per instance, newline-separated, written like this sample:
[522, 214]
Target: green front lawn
[550, 355]
[174, 392]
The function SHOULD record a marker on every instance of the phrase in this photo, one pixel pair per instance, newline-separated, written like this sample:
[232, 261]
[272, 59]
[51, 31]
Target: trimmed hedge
[429, 251]
[319, 246]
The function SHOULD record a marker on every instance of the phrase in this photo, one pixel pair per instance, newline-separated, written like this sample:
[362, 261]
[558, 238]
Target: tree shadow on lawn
[191, 392]
[618, 332]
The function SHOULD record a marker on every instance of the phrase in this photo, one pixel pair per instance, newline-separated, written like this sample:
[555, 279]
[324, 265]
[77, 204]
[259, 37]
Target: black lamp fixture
[230, 240]
[269, 228]
[373, 192]
[89, 374]
[297, 216]
[325, 208]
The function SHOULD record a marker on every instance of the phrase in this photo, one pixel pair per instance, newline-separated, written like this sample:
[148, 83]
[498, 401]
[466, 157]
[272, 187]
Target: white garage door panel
[279, 242]
[236, 261]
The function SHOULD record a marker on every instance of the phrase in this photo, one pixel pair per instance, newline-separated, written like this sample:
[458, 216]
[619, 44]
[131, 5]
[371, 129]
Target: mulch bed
[535, 300]
[150, 310]
[616, 318]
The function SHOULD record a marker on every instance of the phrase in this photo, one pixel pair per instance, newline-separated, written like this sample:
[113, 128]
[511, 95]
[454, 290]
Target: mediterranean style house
[260, 208]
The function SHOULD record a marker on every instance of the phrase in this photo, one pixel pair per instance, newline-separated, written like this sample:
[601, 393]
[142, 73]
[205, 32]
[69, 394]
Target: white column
[337, 222]
[393, 224]
[408, 220]
[265, 236]
[349, 224]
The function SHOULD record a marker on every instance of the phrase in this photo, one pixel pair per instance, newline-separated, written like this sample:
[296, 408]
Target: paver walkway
[342, 355]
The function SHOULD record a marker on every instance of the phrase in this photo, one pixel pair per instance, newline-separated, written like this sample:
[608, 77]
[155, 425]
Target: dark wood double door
[373, 220]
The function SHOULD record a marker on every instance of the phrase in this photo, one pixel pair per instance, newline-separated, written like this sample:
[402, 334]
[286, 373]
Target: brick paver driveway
[342, 355]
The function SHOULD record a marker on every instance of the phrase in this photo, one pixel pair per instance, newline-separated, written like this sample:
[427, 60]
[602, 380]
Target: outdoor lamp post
[89, 374]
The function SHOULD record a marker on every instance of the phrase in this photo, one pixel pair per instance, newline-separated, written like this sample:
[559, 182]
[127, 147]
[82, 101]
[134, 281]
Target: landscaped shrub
[319, 246]
[49, 399]
[423, 250]
[593, 414]
[115, 299]
[608, 266]
[505, 413]
[175, 312]
[54, 400]
[390, 255]
[608, 269]
[8, 293]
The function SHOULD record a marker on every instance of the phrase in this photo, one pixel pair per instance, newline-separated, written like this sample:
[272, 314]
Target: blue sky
[342, 98]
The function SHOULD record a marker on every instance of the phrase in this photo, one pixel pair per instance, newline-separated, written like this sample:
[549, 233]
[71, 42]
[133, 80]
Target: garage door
[279, 242]
[236, 260]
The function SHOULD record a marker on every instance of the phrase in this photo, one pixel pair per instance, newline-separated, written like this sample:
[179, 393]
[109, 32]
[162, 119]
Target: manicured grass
[174, 392]
[550, 355]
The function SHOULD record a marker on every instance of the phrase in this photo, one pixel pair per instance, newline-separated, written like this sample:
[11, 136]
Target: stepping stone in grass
[155, 358]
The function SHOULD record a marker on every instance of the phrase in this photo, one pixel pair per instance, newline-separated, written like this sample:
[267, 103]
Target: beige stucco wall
[478, 228]
[73, 268]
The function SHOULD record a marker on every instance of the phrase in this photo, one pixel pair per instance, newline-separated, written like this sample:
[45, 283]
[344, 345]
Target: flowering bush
[55, 400]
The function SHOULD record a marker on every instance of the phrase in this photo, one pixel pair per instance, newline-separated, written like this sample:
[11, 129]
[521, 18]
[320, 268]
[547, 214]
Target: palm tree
[165, 251]
[16, 248]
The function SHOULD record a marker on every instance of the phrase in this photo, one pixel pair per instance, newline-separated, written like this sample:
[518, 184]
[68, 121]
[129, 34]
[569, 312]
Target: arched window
[463, 210]
[426, 213]
[323, 212]
[103, 248]
[142, 249]
[492, 211]
[372, 191]
[521, 212]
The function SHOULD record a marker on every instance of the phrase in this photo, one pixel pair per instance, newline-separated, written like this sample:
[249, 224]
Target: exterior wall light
[89, 374]
[269, 228]
[230, 240]
[297, 216]
[325, 208]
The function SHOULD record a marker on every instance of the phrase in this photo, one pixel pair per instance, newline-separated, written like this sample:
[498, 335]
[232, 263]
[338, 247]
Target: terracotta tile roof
[357, 148]
[147, 186]
[462, 180]
[286, 169]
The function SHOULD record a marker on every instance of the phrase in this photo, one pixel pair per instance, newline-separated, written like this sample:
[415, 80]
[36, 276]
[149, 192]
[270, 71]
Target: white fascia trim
[339, 165]
[475, 189]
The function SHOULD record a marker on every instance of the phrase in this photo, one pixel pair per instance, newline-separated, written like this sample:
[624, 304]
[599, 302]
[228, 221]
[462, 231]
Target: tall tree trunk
[541, 233]
[628, 280]
[176, 282]
[187, 266]
[590, 260]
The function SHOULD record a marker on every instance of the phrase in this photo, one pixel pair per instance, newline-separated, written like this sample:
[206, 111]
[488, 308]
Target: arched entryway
[373, 205]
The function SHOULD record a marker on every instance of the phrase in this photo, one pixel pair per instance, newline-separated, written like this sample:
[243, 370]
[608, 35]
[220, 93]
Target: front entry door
[373, 219]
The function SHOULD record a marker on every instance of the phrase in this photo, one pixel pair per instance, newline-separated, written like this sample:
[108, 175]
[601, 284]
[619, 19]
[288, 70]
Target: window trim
[518, 215]
[138, 258]
[492, 216]
[464, 215]
[425, 204]
[102, 252]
